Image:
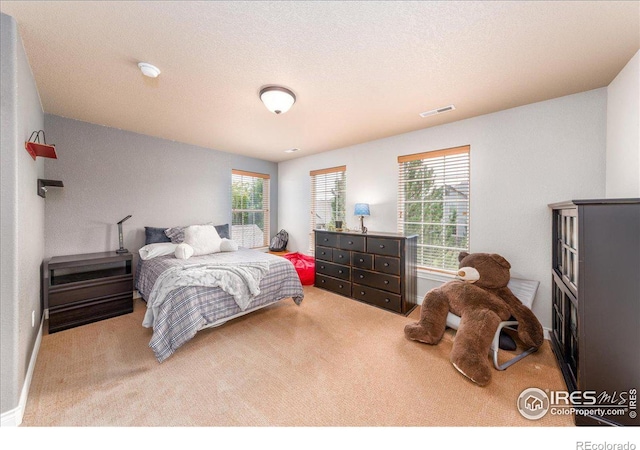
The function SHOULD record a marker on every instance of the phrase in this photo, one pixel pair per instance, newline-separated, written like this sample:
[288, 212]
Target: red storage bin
[305, 266]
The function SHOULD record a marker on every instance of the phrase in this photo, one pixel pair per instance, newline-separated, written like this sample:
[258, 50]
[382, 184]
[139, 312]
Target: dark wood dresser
[80, 289]
[376, 268]
[596, 306]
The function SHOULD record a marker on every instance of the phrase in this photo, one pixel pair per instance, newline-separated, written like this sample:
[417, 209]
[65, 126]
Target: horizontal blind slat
[328, 194]
[250, 208]
[433, 202]
[250, 174]
[434, 154]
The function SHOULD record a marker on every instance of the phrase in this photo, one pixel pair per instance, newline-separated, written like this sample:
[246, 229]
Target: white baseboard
[13, 418]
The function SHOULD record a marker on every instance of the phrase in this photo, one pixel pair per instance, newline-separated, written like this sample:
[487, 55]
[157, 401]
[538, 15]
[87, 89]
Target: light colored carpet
[331, 361]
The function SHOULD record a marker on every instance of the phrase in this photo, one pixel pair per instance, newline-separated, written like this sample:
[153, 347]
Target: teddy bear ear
[462, 256]
[500, 260]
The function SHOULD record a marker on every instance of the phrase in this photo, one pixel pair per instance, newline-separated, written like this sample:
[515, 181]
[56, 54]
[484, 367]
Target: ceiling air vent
[437, 111]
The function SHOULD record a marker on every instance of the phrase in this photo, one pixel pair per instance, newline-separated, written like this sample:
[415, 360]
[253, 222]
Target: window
[433, 203]
[250, 209]
[328, 194]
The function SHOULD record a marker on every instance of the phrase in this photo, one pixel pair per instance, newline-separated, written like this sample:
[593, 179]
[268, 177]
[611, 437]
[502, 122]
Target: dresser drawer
[324, 253]
[376, 297]
[341, 256]
[341, 287]
[387, 264]
[326, 239]
[75, 292]
[382, 246]
[333, 270]
[362, 260]
[80, 313]
[377, 280]
[351, 242]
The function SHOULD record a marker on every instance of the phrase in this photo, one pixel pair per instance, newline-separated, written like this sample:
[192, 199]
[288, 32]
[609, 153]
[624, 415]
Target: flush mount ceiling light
[277, 99]
[292, 150]
[149, 70]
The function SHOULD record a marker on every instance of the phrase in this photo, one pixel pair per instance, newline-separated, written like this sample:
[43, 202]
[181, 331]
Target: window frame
[448, 165]
[329, 175]
[265, 210]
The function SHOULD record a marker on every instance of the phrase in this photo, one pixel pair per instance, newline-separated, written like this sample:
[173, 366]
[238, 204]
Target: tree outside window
[250, 209]
[434, 204]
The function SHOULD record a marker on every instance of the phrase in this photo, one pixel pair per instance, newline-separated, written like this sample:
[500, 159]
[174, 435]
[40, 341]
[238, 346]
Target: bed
[184, 296]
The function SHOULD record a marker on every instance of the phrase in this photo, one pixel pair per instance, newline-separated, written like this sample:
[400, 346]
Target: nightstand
[80, 289]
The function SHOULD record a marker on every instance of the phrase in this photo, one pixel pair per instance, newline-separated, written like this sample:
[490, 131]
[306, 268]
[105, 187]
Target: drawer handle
[340, 286]
[350, 242]
[322, 267]
[340, 271]
[361, 276]
[361, 292]
[386, 281]
[361, 260]
[386, 264]
[324, 253]
[322, 281]
[381, 246]
[386, 300]
[340, 256]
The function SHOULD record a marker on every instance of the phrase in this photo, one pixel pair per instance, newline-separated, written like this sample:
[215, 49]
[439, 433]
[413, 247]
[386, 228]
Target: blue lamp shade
[362, 209]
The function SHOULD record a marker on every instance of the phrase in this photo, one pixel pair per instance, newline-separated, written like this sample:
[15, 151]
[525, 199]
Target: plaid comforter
[188, 309]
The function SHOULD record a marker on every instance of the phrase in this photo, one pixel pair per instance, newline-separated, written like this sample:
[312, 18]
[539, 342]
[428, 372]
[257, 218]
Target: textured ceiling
[360, 70]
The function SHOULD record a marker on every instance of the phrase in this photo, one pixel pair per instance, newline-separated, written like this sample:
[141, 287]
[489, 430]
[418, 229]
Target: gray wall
[110, 173]
[21, 219]
[521, 160]
[623, 132]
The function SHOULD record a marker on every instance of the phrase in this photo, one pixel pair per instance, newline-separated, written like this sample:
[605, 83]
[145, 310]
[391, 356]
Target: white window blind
[433, 202]
[328, 194]
[250, 209]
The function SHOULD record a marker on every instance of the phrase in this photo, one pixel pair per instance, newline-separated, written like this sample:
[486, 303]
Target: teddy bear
[481, 298]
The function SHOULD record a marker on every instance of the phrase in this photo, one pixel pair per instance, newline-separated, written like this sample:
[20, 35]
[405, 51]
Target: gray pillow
[154, 235]
[223, 231]
[176, 234]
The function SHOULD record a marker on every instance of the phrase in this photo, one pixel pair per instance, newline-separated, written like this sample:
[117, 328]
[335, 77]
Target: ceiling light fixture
[437, 111]
[292, 150]
[149, 70]
[277, 99]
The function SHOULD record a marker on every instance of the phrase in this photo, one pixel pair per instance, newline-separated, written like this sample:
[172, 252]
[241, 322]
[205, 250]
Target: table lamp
[362, 209]
[121, 249]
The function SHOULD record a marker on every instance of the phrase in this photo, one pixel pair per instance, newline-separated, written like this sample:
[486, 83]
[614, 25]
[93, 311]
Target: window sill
[426, 274]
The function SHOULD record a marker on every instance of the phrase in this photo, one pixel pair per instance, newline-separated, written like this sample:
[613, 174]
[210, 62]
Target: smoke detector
[149, 70]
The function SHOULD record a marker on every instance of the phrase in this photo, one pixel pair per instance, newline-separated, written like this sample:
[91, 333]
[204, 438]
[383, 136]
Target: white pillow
[227, 245]
[203, 238]
[184, 251]
[154, 250]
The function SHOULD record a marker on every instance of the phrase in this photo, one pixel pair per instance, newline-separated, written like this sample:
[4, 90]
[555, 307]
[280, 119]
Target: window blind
[328, 194]
[433, 202]
[250, 208]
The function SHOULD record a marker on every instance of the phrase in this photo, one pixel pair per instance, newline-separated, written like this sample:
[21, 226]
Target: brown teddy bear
[482, 300]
